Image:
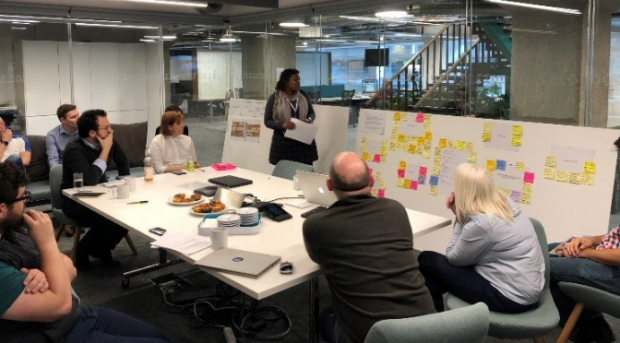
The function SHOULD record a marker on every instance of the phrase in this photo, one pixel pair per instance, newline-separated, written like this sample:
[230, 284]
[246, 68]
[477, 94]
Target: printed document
[303, 132]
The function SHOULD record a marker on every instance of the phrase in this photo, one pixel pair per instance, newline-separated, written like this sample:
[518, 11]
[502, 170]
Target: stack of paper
[184, 243]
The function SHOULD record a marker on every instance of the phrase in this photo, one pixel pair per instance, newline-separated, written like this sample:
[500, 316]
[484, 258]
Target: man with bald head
[365, 247]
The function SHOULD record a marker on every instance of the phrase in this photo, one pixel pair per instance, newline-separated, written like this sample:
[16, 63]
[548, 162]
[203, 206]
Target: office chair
[287, 169]
[534, 323]
[55, 181]
[468, 324]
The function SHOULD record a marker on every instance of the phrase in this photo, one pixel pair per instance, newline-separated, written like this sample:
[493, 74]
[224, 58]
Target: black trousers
[463, 282]
[103, 235]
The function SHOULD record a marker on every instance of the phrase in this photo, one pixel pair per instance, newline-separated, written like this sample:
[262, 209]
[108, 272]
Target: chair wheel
[125, 282]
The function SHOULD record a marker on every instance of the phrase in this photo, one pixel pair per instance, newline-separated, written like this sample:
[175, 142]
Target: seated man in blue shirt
[35, 298]
[58, 137]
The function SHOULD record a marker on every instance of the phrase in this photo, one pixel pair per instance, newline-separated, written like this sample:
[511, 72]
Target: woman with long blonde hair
[493, 256]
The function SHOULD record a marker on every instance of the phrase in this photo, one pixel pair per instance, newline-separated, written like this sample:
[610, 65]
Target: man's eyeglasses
[25, 197]
[107, 128]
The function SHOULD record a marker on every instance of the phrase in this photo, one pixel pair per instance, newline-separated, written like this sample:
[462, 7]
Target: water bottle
[149, 172]
[190, 163]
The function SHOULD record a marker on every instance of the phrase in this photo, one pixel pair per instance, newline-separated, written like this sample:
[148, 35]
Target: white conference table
[284, 238]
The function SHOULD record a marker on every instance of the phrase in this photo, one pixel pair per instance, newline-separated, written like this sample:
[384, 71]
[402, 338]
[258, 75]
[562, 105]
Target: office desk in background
[284, 239]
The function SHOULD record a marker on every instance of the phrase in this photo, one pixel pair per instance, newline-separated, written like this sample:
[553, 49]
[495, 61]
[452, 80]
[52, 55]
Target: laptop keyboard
[313, 211]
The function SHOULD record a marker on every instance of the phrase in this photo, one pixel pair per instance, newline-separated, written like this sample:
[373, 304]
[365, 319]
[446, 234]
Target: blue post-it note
[500, 165]
[434, 181]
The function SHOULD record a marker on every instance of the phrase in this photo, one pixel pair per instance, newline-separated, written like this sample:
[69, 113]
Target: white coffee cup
[296, 183]
[121, 191]
[131, 181]
[219, 238]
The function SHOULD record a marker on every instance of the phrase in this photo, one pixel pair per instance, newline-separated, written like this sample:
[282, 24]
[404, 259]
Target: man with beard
[36, 305]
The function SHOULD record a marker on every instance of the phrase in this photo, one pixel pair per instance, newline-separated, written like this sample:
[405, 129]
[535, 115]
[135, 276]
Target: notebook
[314, 187]
[230, 181]
[239, 262]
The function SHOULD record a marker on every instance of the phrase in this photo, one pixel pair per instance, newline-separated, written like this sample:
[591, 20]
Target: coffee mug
[121, 191]
[131, 181]
[219, 238]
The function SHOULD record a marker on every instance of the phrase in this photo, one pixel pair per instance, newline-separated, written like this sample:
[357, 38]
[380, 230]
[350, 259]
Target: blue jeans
[329, 327]
[582, 271]
[17, 160]
[97, 325]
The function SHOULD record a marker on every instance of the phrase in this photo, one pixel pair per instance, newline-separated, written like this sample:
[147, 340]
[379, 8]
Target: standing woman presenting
[288, 102]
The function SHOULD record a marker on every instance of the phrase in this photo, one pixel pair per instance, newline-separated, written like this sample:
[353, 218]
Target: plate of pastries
[213, 206]
[182, 199]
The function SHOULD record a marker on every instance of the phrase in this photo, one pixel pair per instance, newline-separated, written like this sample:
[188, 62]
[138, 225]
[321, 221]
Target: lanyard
[296, 104]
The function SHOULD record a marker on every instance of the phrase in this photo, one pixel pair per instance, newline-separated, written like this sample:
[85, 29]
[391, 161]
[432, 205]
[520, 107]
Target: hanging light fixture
[228, 37]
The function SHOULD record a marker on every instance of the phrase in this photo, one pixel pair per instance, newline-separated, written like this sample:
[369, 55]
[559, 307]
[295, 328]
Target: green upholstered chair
[534, 323]
[287, 169]
[587, 296]
[467, 324]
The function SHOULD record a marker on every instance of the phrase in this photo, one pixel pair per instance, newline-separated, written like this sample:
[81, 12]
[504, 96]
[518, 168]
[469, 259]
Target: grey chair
[287, 169]
[587, 296]
[468, 324]
[55, 181]
[534, 323]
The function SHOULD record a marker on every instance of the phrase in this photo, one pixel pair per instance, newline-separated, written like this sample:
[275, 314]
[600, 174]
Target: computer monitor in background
[369, 86]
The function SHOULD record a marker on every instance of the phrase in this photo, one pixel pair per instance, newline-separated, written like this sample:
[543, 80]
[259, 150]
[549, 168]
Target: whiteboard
[516, 152]
[216, 71]
[245, 150]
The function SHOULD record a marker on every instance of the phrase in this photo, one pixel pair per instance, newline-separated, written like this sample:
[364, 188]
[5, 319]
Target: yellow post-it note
[392, 146]
[561, 176]
[527, 187]
[427, 119]
[426, 154]
[549, 173]
[433, 190]
[488, 126]
[428, 136]
[486, 136]
[436, 169]
[491, 165]
[589, 167]
[407, 184]
[515, 141]
[575, 178]
[461, 145]
[520, 166]
[403, 116]
[384, 150]
[374, 192]
[401, 138]
[400, 182]
[365, 156]
[443, 142]
[364, 140]
[412, 148]
[517, 130]
[402, 165]
[382, 184]
[397, 116]
[472, 157]
[526, 198]
[427, 145]
[550, 161]
[470, 146]
[506, 192]
[451, 144]
[587, 179]
[420, 140]
[427, 127]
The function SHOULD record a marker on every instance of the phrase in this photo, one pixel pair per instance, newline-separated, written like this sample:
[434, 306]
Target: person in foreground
[286, 103]
[365, 247]
[493, 256]
[36, 304]
[590, 261]
[91, 155]
[171, 148]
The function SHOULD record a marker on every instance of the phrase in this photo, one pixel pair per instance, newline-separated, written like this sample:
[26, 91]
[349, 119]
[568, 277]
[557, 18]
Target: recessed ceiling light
[294, 24]
[391, 14]
[534, 6]
[147, 40]
[167, 2]
[171, 37]
[118, 26]
[21, 21]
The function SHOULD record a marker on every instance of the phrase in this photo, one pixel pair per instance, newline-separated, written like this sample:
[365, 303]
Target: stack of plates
[249, 215]
[229, 220]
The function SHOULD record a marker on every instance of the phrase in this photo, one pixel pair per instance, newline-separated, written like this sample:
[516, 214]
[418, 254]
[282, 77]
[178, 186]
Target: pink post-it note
[423, 171]
[414, 185]
[377, 158]
[419, 118]
[401, 173]
[381, 193]
[528, 177]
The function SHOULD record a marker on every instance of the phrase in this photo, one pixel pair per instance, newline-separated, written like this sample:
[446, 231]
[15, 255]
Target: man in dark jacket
[365, 247]
[90, 155]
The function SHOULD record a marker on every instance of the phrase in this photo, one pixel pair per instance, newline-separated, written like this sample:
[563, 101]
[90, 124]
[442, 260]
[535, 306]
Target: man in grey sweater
[365, 247]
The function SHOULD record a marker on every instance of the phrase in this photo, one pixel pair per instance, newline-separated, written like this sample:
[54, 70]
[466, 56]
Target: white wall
[7, 76]
[216, 70]
[110, 76]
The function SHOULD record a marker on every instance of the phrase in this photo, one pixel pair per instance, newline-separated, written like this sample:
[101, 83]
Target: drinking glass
[78, 181]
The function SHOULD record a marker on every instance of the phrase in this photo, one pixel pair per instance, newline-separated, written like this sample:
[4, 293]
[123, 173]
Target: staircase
[449, 72]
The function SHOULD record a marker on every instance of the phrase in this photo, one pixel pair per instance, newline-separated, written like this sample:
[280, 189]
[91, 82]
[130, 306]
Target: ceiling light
[391, 14]
[294, 24]
[18, 27]
[171, 37]
[407, 35]
[167, 2]
[305, 43]
[538, 7]
[118, 26]
[18, 20]
[147, 40]
[21, 23]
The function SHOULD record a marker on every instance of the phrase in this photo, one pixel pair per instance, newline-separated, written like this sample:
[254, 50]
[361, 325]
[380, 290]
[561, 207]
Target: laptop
[239, 262]
[229, 197]
[314, 187]
[230, 181]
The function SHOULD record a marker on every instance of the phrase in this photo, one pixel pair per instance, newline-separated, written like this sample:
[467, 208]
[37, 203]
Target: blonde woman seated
[171, 149]
[493, 256]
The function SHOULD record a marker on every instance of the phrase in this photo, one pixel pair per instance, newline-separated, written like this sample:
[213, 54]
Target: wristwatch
[4, 142]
